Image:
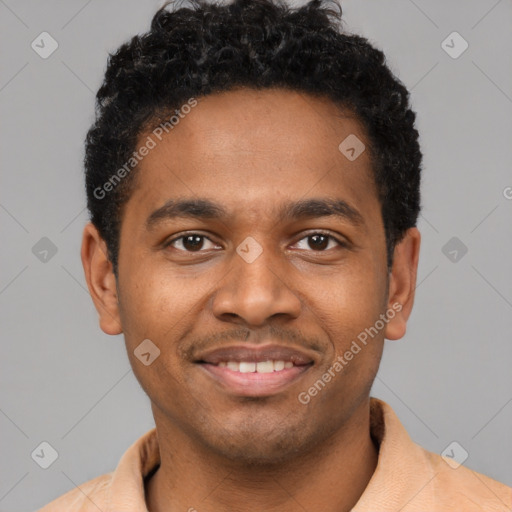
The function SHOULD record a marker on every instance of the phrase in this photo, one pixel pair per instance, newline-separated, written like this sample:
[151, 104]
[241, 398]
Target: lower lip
[254, 383]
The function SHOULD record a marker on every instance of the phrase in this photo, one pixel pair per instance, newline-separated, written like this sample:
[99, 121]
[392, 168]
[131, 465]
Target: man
[253, 182]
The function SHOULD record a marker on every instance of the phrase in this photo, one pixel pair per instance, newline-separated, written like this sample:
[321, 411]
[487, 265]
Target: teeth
[247, 367]
[260, 367]
[265, 367]
[278, 365]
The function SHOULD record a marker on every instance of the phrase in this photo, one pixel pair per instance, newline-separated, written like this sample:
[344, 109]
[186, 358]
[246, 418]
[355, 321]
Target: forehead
[251, 148]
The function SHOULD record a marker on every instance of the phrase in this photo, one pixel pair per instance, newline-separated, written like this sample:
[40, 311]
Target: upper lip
[255, 353]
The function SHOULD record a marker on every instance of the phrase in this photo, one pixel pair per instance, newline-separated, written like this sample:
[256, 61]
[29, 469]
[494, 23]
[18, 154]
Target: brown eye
[190, 243]
[193, 242]
[320, 242]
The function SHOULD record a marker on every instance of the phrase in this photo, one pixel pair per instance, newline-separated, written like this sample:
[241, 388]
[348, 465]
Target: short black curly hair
[211, 47]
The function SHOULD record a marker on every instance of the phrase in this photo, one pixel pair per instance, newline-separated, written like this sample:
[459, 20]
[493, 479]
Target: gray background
[66, 382]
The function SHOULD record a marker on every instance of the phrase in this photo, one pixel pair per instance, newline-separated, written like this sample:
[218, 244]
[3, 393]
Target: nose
[253, 292]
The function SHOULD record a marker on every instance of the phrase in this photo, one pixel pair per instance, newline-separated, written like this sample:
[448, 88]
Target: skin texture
[251, 151]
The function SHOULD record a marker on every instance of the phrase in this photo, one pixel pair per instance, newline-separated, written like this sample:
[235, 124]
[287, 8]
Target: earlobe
[402, 283]
[100, 279]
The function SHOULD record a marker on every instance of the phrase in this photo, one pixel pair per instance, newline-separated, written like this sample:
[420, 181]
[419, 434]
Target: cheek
[151, 305]
[351, 302]
[157, 309]
[163, 309]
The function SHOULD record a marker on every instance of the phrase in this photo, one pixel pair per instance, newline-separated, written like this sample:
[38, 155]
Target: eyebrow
[294, 210]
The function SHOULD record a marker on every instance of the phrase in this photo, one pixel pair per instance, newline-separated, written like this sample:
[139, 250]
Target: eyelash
[328, 235]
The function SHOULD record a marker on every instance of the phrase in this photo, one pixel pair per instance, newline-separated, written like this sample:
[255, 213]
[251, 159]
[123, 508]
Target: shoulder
[87, 497]
[112, 491]
[412, 479]
[460, 486]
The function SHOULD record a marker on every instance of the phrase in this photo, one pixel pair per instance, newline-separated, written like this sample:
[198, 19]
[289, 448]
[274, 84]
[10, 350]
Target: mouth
[253, 370]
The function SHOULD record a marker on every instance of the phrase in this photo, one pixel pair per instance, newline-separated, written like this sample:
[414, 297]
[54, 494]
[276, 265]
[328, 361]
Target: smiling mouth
[256, 367]
[245, 379]
[255, 371]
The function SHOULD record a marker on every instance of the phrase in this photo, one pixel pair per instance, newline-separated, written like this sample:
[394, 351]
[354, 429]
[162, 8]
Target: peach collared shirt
[408, 478]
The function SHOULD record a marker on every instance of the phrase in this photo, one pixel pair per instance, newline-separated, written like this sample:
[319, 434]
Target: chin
[258, 453]
[261, 443]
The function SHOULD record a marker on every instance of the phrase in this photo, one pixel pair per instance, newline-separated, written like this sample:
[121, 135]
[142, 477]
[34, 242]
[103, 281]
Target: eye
[320, 242]
[192, 242]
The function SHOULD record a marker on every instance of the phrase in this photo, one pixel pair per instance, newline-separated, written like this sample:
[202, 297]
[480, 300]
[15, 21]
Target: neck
[332, 478]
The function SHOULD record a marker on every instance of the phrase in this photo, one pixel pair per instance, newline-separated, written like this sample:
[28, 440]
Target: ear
[402, 283]
[100, 279]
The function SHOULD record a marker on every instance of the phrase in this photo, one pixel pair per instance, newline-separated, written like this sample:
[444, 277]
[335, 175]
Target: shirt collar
[403, 468]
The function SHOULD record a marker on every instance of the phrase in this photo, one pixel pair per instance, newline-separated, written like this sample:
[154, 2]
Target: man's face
[297, 288]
